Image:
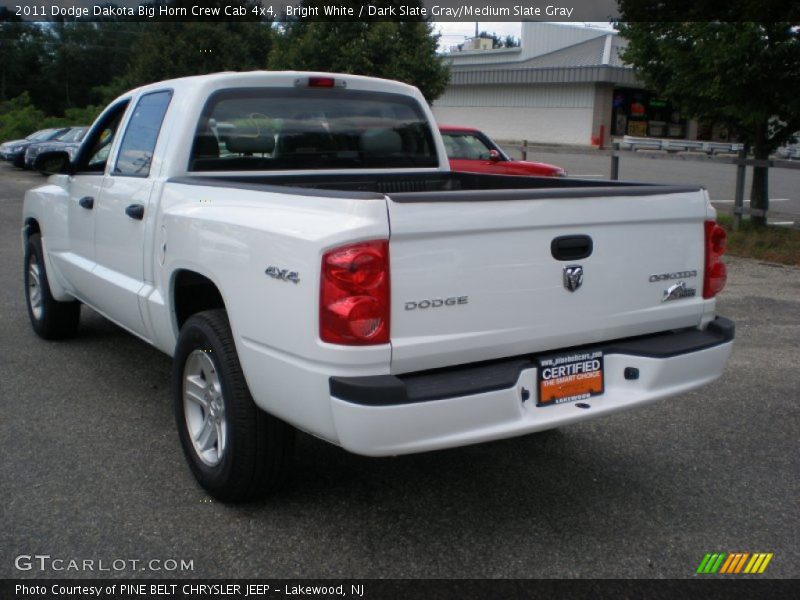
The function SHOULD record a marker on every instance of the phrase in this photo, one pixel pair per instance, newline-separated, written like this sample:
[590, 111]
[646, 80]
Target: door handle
[87, 202]
[135, 211]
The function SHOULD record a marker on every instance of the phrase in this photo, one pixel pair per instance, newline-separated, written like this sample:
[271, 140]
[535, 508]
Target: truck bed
[427, 186]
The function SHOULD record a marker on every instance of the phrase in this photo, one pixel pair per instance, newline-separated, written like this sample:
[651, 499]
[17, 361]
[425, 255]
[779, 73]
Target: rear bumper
[386, 414]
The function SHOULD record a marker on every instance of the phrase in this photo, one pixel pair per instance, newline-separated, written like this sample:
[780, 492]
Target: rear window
[285, 129]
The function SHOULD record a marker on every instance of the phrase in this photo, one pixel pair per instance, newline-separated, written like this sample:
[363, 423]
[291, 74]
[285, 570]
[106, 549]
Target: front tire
[235, 450]
[50, 318]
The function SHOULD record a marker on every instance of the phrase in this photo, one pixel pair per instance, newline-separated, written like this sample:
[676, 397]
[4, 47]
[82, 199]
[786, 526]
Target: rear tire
[50, 318]
[235, 450]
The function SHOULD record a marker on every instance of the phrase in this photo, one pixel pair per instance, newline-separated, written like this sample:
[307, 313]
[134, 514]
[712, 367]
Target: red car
[473, 151]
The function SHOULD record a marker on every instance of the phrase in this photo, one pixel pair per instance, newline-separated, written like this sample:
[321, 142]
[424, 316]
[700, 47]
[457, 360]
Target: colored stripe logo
[734, 563]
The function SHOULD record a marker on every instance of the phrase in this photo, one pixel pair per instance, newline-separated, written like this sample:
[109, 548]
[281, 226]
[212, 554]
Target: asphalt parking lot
[91, 468]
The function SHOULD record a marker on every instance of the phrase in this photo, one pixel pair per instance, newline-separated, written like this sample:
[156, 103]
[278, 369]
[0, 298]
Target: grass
[772, 243]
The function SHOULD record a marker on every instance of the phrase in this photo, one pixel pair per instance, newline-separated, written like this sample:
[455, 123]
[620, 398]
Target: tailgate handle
[571, 247]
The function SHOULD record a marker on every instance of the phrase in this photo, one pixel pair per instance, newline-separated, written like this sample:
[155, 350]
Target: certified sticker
[570, 377]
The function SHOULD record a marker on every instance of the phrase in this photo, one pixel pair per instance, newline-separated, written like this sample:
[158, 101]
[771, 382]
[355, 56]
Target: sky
[455, 33]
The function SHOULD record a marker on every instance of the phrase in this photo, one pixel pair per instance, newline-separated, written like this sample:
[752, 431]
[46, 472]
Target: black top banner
[400, 10]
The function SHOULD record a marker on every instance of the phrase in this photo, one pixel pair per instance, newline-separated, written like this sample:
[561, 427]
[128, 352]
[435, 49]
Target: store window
[640, 113]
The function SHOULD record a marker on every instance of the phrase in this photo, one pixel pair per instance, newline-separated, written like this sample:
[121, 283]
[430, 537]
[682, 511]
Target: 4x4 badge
[573, 277]
[283, 274]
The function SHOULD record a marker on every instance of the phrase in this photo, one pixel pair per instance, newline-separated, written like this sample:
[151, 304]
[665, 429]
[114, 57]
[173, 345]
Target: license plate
[570, 377]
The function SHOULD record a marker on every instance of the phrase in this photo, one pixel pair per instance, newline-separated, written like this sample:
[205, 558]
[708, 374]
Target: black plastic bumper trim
[490, 376]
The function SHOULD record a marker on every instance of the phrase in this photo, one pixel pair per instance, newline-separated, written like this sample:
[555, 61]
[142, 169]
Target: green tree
[83, 116]
[84, 56]
[185, 47]
[745, 75]
[179, 49]
[22, 59]
[497, 42]
[405, 51]
[19, 117]
[63, 64]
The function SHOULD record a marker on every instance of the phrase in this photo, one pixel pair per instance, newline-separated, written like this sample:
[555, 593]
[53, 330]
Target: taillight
[354, 296]
[715, 273]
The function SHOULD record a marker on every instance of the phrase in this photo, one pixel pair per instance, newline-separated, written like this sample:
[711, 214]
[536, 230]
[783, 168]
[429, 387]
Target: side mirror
[53, 163]
[494, 156]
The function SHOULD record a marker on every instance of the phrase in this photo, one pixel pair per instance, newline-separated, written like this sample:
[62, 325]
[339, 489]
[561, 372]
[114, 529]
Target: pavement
[91, 469]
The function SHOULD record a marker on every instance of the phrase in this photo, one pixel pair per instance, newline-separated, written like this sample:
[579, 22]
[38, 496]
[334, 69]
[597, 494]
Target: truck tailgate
[475, 278]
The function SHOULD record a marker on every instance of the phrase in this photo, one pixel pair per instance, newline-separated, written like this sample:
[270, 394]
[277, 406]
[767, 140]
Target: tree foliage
[63, 73]
[195, 48]
[82, 57]
[22, 60]
[19, 117]
[64, 66]
[745, 75]
[185, 46]
[497, 42]
[405, 51]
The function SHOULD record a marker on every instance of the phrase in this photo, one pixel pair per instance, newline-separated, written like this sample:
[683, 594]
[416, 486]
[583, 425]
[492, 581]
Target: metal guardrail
[710, 153]
[741, 161]
[629, 142]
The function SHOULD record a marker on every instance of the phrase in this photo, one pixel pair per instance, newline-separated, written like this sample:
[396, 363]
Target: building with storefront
[565, 84]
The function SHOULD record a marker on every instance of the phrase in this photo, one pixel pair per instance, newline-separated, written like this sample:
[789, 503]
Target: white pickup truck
[297, 243]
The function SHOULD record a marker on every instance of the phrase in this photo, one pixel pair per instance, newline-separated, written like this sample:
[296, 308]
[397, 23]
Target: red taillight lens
[715, 273]
[354, 296]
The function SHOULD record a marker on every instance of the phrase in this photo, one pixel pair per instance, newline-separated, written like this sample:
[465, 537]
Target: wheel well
[193, 293]
[31, 227]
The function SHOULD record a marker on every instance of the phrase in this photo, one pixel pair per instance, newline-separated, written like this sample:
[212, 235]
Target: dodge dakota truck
[297, 243]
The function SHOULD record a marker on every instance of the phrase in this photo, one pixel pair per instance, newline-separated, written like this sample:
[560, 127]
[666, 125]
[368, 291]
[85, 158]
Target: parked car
[472, 151]
[14, 151]
[789, 152]
[67, 141]
[328, 271]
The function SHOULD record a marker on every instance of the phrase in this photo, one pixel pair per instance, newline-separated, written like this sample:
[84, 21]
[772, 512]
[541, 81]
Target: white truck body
[477, 293]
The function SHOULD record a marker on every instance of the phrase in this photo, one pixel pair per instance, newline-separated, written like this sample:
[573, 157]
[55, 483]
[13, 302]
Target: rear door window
[141, 135]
